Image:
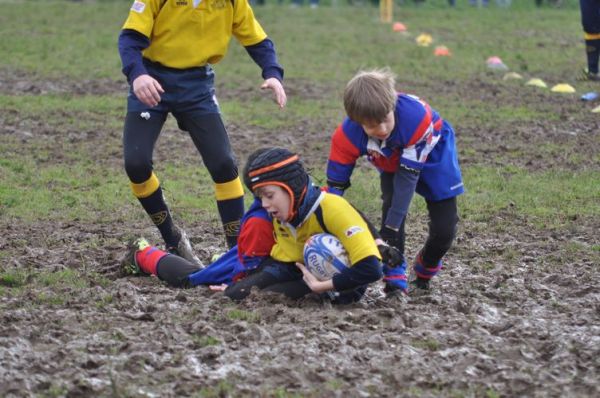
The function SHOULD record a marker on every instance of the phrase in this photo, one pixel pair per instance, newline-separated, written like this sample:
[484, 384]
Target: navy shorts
[440, 177]
[590, 16]
[186, 90]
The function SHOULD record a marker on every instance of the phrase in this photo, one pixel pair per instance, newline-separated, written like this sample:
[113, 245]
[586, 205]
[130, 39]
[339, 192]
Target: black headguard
[277, 166]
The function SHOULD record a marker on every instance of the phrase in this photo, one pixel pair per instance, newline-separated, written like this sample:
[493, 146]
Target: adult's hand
[147, 89]
[278, 92]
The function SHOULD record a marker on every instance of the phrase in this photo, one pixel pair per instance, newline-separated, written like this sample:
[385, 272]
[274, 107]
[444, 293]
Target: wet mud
[515, 311]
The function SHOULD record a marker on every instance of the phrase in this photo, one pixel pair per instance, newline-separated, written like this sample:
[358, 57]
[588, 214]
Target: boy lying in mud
[287, 211]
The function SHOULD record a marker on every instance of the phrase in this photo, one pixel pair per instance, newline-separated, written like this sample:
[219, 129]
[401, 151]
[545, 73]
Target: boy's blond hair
[370, 95]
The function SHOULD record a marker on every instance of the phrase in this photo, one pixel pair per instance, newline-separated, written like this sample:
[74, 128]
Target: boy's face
[379, 129]
[275, 200]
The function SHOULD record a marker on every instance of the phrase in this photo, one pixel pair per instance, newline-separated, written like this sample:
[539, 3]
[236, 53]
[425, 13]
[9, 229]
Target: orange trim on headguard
[273, 166]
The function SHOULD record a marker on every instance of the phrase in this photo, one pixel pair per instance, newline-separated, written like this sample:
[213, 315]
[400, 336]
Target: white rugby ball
[325, 256]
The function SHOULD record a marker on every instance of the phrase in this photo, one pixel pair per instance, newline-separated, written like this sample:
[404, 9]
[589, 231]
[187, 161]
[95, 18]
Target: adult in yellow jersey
[167, 48]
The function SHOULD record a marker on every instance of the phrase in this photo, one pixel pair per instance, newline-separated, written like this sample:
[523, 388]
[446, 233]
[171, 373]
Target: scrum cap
[277, 166]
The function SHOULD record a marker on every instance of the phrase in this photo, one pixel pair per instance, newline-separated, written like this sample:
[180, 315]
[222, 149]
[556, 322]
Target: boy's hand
[147, 89]
[389, 235]
[313, 283]
[278, 92]
[390, 256]
[218, 288]
[309, 278]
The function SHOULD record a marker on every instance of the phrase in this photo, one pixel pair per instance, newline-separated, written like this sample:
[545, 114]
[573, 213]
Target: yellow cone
[424, 40]
[563, 88]
[596, 109]
[536, 83]
[512, 76]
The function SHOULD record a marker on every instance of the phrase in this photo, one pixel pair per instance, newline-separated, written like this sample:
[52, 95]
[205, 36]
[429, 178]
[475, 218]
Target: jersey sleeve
[255, 239]
[131, 44]
[343, 154]
[405, 183]
[367, 270]
[142, 15]
[343, 221]
[265, 56]
[246, 28]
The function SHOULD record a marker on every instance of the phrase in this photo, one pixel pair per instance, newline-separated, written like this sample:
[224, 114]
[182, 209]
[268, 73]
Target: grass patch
[67, 278]
[88, 193]
[65, 108]
[334, 384]
[104, 301]
[50, 44]
[537, 196]
[54, 391]
[50, 299]
[281, 392]
[58, 191]
[491, 393]
[540, 196]
[13, 278]
[54, 38]
[205, 341]
[463, 112]
[429, 344]
[47, 287]
[261, 112]
[242, 315]
[223, 388]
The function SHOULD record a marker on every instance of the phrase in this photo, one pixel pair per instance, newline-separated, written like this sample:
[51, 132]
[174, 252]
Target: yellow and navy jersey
[183, 36]
[339, 219]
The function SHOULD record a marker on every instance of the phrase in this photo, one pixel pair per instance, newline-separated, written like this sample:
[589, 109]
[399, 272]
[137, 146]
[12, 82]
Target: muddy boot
[128, 263]
[184, 249]
[586, 75]
[417, 286]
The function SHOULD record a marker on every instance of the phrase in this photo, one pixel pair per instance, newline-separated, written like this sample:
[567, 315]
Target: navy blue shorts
[186, 90]
[590, 16]
[440, 177]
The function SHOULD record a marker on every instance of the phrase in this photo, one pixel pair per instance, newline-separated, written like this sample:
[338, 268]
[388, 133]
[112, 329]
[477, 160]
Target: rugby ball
[325, 256]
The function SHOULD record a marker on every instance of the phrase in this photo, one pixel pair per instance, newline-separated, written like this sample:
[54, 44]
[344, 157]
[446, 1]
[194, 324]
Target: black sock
[231, 211]
[592, 48]
[160, 215]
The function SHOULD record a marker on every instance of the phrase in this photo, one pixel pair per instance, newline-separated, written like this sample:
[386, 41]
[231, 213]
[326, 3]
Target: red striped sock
[148, 259]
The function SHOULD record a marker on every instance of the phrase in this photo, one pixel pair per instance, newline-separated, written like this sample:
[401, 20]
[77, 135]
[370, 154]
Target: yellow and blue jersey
[334, 215]
[183, 36]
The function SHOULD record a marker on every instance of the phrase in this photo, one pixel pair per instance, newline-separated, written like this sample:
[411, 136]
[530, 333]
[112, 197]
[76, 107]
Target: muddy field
[515, 312]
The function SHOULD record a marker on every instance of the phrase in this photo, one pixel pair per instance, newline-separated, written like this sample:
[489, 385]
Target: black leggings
[286, 280]
[271, 276]
[443, 220]
[206, 130]
[175, 270]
